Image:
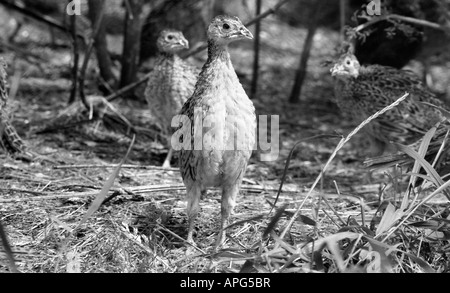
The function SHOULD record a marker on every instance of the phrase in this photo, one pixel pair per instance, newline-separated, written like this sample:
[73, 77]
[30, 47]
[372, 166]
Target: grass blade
[105, 189]
[274, 221]
[8, 250]
[436, 179]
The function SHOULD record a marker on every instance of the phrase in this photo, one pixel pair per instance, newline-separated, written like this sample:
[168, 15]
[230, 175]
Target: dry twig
[407, 19]
[251, 22]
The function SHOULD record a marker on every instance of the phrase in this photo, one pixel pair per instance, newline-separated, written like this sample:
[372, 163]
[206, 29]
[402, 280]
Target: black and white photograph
[221, 137]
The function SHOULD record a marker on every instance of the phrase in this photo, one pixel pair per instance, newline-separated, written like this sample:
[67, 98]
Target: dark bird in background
[9, 138]
[220, 104]
[170, 84]
[361, 91]
[389, 43]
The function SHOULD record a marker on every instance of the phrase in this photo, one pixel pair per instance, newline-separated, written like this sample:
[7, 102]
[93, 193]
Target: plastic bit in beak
[184, 43]
[335, 70]
[246, 33]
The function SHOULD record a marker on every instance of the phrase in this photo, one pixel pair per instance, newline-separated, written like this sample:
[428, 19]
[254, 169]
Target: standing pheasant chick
[221, 106]
[170, 83]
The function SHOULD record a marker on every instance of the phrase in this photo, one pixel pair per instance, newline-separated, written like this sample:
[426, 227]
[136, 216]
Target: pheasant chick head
[226, 29]
[171, 41]
[347, 66]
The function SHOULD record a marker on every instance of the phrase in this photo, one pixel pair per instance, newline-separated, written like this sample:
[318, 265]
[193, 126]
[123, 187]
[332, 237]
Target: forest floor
[142, 225]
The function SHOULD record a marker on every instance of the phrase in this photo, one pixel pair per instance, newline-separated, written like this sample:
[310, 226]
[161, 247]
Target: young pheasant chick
[361, 91]
[9, 139]
[221, 106]
[170, 83]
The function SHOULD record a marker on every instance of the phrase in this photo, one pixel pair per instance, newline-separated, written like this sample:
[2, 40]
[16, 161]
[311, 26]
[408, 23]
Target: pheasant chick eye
[226, 26]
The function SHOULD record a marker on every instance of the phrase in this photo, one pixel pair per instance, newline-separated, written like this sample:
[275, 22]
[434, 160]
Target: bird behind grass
[9, 138]
[361, 91]
[170, 83]
[218, 133]
[437, 152]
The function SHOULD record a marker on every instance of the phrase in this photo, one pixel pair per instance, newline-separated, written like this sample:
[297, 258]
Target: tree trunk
[101, 45]
[76, 57]
[256, 49]
[303, 66]
[343, 17]
[135, 17]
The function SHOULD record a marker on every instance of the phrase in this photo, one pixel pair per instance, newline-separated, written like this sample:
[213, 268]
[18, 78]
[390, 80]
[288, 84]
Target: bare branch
[132, 190]
[76, 57]
[256, 48]
[20, 7]
[407, 19]
[251, 22]
[127, 88]
[88, 52]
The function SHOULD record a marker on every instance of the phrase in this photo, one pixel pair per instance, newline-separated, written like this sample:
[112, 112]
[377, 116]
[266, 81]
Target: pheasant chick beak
[184, 43]
[243, 31]
[335, 70]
